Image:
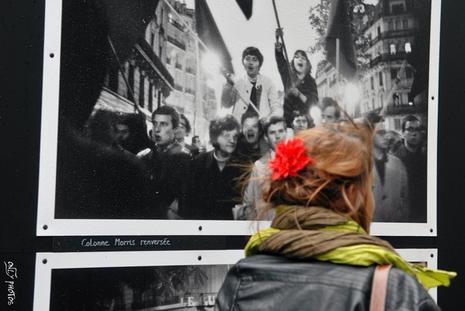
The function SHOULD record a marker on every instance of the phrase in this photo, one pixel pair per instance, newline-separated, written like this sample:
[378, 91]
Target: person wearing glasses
[413, 155]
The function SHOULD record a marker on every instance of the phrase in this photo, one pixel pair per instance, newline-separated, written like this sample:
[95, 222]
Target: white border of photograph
[46, 262]
[47, 225]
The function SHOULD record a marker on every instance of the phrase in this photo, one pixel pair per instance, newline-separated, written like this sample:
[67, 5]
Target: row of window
[394, 76]
[139, 90]
[398, 99]
[394, 48]
[398, 24]
[395, 24]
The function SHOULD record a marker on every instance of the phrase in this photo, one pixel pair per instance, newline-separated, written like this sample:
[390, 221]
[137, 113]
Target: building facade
[163, 69]
[191, 94]
[142, 79]
[385, 77]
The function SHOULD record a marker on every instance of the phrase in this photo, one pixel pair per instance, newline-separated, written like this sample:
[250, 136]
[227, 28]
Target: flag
[85, 52]
[339, 27]
[246, 7]
[209, 33]
[419, 56]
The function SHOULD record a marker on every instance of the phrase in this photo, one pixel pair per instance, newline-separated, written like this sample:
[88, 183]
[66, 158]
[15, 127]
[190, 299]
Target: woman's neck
[300, 75]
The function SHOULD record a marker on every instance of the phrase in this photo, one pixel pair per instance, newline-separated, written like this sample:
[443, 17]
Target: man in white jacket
[253, 88]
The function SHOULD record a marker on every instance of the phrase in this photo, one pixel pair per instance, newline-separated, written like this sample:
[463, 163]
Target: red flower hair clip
[290, 158]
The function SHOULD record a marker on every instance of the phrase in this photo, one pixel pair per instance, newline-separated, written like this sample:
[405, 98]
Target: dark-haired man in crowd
[196, 141]
[275, 131]
[131, 133]
[301, 121]
[390, 185]
[254, 88]
[214, 188]
[180, 134]
[413, 155]
[248, 146]
[330, 110]
[196, 145]
[167, 163]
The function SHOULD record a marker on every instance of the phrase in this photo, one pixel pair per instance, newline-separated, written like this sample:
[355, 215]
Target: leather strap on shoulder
[379, 288]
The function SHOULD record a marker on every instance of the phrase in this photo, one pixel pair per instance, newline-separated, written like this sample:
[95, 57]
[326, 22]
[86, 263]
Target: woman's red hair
[340, 179]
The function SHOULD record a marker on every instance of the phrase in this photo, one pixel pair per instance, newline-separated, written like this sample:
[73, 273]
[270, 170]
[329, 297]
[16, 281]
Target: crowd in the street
[225, 182]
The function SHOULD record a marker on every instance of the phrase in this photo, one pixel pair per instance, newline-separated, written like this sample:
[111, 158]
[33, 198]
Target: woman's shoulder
[312, 271]
[352, 284]
[404, 291]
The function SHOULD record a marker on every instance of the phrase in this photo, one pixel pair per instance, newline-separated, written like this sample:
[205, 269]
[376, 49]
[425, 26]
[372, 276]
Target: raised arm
[228, 95]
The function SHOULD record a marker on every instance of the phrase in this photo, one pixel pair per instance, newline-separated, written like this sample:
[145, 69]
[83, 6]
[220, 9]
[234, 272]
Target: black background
[21, 38]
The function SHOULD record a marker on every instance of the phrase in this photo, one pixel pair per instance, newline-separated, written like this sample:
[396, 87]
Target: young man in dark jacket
[168, 165]
[215, 174]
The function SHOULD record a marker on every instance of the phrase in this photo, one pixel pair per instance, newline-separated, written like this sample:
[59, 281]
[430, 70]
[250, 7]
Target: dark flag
[85, 52]
[209, 33]
[94, 181]
[339, 27]
[419, 56]
[246, 7]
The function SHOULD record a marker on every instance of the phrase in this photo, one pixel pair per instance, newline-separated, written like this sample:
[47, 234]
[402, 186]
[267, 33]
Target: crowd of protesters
[187, 181]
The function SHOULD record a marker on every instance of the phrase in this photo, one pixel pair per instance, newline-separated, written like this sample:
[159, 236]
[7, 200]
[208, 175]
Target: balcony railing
[190, 70]
[190, 91]
[389, 35]
[387, 57]
[392, 109]
[177, 42]
[176, 24]
[157, 69]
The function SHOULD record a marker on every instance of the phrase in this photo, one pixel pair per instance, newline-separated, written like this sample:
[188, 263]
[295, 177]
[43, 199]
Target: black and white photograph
[161, 116]
[178, 280]
[146, 288]
[148, 281]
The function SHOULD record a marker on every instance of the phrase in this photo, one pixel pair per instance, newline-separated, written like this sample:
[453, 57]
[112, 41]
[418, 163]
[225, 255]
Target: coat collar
[259, 79]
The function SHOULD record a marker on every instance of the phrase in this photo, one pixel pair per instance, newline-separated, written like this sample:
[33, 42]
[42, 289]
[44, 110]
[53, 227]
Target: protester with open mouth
[299, 86]
[253, 92]
[249, 146]
[274, 132]
[168, 164]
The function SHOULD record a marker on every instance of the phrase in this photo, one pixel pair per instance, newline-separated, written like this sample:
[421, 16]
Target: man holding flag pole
[209, 41]
[253, 91]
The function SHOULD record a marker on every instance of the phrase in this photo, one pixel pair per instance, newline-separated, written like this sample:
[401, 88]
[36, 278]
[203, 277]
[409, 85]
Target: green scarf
[319, 233]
